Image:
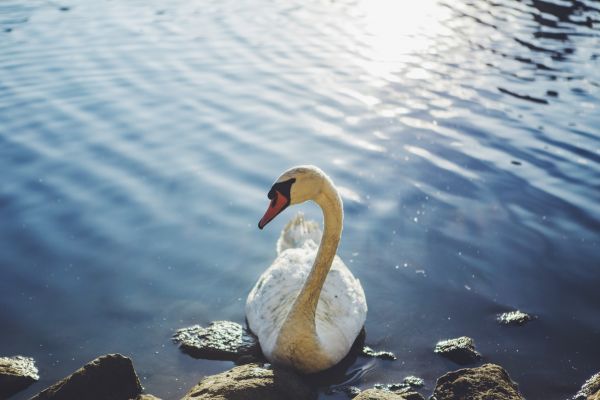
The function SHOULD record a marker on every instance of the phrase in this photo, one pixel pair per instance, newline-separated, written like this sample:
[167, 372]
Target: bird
[307, 308]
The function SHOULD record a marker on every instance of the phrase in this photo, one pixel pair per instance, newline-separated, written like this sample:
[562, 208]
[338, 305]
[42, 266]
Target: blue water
[138, 141]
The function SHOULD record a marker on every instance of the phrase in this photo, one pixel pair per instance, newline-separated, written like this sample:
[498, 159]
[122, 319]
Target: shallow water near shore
[139, 139]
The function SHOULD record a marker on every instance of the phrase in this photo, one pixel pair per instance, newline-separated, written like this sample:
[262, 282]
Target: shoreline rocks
[490, 381]
[108, 377]
[516, 318]
[384, 355]
[220, 340]
[461, 350]
[16, 374]
[590, 390]
[252, 382]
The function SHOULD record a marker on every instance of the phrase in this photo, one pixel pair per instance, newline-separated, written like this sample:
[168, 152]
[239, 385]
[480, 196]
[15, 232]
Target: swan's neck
[299, 329]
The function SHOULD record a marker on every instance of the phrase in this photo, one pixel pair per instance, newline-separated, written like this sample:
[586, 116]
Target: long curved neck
[331, 204]
[300, 321]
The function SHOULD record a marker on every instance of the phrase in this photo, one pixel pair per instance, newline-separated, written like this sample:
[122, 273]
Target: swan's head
[294, 186]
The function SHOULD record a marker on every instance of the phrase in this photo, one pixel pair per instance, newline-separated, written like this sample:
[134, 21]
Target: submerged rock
[404, 389]
[384, 355]
[350, 391]
[16, 373]
[413, 381]
[460, 350]
[221, 340]
[107, 377]
[250, 382]
[590, 389]
[514, 318]
[489, 381]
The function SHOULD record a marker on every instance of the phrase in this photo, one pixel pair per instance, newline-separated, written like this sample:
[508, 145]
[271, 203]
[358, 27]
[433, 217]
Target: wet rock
[489, 381]
[250, 382]
[378, 394]
[350, 391]
[590, 389]
[460, 350]
[16, 373]
[514, 318]
[221, 340]
[384, 355]
[404, 389]
[107, 377]
[413, 381]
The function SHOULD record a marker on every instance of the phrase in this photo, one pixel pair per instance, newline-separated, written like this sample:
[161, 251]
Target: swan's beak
[278, 203]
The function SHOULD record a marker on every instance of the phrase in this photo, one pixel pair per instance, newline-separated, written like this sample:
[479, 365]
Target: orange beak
[278, 203]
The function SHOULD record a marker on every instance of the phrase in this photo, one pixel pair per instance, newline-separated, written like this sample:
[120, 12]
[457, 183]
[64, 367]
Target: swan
[307, 308]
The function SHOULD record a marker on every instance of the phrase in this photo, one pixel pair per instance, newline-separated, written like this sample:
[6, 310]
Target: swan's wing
[297, 233]
[272, 297]
[341, 311]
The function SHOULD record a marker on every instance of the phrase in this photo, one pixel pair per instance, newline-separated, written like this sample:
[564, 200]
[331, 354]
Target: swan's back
[297, 232]
[341, 310]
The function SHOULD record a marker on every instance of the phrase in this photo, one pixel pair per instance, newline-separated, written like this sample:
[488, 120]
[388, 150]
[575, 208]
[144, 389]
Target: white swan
[306, 308]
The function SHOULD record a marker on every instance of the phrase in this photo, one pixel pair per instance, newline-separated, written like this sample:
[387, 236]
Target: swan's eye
[273, 200]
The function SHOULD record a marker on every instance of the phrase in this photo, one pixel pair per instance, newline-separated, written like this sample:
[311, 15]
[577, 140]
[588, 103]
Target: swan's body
[306, 308]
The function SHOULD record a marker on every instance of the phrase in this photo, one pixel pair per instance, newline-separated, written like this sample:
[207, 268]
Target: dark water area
[138, 141]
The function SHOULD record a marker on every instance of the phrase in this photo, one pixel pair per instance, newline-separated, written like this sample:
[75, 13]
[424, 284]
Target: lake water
[139, 139]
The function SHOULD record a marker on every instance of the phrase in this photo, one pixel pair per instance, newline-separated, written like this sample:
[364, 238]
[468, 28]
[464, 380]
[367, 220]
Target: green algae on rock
[490, 381]
[379, 394]
[221, 340]
[384, 355]
[516, 317]
[590, 389]
[461, 350]
[252, 382]
[16, 373]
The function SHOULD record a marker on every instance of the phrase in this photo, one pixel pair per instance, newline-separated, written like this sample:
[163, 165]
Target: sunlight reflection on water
[139, 140]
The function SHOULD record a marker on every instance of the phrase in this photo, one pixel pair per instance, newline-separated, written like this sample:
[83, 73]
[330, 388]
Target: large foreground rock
[590, 389]
[16, 373]
[489, 381]
[252, 382]
[110, 377]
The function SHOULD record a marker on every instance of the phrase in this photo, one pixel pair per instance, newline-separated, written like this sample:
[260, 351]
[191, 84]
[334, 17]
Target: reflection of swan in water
[306, 308]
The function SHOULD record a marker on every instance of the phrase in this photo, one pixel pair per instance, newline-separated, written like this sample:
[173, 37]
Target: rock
[514, 318]
[378, 394]
[384, 355]
[16, 373]
[413, 381]
[221, 340]
[146, 397]
[460, 350]
[409, 394]
[403, 389]
[590, 389]
[107, 377]
[250, 382]
[489, 381]
[350, 391]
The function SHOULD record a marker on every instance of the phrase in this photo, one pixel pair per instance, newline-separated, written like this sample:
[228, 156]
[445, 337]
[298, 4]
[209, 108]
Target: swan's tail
[299, 232]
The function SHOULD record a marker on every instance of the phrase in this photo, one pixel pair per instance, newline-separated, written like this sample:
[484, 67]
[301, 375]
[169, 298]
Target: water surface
[138, 141]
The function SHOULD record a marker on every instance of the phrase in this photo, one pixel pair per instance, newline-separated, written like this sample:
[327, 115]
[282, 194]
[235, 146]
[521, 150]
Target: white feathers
[342, 307]
[297, 232]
